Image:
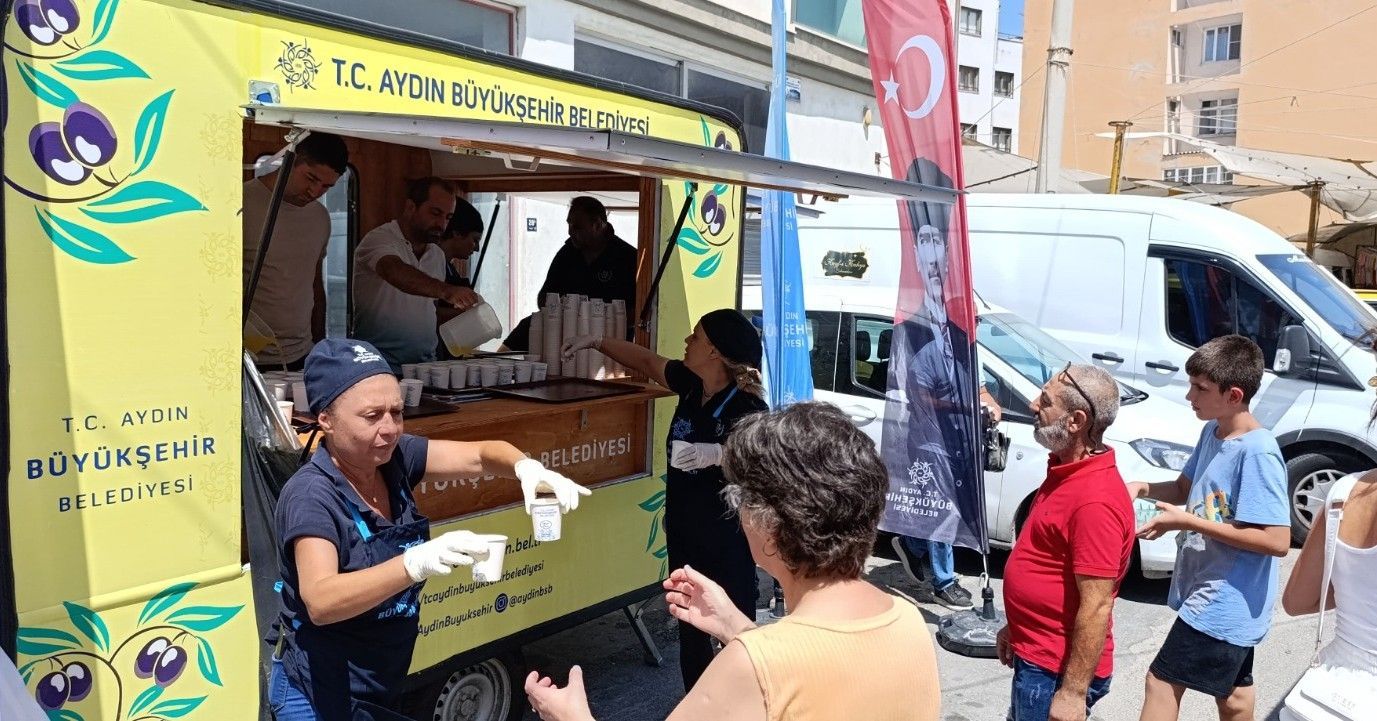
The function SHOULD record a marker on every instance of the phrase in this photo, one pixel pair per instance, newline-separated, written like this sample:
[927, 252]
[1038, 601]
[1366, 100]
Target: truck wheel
[1310, 476]
[486, 691]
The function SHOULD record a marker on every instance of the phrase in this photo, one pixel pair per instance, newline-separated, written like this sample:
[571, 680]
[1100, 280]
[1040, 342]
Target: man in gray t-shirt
[289, 302]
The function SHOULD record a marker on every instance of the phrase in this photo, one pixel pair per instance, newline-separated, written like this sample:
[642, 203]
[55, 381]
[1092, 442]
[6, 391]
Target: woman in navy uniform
[718, 383]
[353, 549]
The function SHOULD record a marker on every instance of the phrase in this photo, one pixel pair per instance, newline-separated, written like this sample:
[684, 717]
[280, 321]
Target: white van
[850, 328]
[1138, 283]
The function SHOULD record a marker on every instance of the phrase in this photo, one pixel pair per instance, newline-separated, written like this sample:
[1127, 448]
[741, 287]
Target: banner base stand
[972, 632]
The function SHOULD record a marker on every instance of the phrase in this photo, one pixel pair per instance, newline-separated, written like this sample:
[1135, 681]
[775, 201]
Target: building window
[1223, 43]
[1218, 117]
[1197, 175]
[749, 103]
[478, 23]
[968, 130]
[639, 69]
[1004, 84]
[970, 21]
[839, 18]
[969, 79]
[1003, 139]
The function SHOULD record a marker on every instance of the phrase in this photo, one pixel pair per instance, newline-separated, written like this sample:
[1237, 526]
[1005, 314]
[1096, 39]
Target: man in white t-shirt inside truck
[399, 273]
[289, 302]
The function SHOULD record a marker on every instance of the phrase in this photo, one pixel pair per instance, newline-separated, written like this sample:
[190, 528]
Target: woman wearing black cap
[718, 383]
[352, 548]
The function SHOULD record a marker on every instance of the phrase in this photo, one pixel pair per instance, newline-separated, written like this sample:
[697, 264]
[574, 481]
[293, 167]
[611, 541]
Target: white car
[850, 332]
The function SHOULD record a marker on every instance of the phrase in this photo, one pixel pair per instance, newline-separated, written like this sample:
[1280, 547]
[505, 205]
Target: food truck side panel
[123, 311]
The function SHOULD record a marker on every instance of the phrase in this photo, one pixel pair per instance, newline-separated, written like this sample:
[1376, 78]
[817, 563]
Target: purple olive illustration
[53, 691]
[714, 215]
[52, 156]
[61, 15]
[29, 15]
[78, 680]
[89, 136]
[170, 665]
[147, 659]
[721, 142]
[709, 207]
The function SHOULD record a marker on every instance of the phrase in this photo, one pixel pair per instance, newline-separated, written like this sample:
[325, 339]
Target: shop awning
[606, 149]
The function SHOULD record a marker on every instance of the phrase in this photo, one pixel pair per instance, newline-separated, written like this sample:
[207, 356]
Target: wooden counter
[588, 441]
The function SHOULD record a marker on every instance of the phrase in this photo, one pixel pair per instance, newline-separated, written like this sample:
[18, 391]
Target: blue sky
[1011, 17]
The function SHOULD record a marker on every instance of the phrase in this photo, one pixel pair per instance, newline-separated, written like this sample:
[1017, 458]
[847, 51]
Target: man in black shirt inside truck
[593, 262]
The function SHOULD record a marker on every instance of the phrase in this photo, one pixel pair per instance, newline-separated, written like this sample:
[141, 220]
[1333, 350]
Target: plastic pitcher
[470, 329]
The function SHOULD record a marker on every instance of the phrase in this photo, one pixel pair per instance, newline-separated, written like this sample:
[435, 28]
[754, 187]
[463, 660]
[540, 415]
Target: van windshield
[1030, 351]
[1334, 303]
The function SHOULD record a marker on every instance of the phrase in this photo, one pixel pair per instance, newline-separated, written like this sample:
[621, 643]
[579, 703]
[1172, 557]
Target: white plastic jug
[470, 329]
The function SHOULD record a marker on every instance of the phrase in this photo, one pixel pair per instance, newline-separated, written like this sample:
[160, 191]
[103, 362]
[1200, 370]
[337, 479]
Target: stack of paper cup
[597, 324]
[458, 375]
[303, 405]
[411, 392]
[489, 374]
[619, 316]
[582, 359]
[536, 337]
[474, 375]
[439, 375]
[570, 329]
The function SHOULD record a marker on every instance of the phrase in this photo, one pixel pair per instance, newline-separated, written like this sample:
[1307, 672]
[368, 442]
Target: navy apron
[352, 669]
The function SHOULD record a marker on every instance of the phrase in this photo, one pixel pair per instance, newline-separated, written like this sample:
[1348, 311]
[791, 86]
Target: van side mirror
[1293, 350]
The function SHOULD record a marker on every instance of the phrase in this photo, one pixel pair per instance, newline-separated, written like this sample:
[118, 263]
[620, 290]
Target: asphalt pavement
[622, 687]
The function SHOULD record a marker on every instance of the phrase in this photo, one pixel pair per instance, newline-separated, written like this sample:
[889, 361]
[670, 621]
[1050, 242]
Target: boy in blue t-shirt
[1235, 525]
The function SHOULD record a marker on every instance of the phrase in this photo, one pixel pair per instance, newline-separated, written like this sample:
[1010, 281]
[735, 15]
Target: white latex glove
[438, 556]
[578, 343]
[693, 456]
[535, 478]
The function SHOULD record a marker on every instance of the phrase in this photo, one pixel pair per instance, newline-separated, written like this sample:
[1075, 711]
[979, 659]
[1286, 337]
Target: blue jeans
[287, 701]
[940, 559]
[1034, 687]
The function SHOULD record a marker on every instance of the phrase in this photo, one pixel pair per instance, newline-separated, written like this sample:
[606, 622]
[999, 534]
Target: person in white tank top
[1350, 659]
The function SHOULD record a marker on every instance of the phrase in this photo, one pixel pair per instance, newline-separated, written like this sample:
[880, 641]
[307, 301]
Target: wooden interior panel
[383, 170]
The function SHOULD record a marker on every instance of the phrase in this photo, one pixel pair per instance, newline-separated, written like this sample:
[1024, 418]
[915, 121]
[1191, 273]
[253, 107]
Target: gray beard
[1054, 436]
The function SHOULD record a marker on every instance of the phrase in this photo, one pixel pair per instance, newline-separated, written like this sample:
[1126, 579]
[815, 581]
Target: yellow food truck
[130, 587]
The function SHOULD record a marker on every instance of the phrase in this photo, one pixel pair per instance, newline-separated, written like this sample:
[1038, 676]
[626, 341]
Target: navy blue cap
[733, 335]
[335, 365]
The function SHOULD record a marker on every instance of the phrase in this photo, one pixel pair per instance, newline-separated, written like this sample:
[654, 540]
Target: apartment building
[1282, 75]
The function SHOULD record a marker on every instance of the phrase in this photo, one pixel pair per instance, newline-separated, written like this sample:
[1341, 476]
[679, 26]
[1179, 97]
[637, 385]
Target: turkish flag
[931, 441]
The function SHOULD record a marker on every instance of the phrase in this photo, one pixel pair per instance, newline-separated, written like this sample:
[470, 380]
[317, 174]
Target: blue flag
[788, 371]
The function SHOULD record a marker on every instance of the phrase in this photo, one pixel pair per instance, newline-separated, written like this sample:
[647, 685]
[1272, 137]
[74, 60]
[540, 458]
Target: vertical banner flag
[929, 441]
[788, 366]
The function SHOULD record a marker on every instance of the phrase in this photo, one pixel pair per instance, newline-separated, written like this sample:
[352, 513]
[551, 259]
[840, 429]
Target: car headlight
[1163, 454]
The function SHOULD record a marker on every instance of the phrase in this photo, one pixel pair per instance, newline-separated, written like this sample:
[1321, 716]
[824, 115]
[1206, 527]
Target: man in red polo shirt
[1072, 552]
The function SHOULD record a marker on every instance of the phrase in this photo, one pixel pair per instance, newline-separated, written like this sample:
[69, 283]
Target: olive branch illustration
[654, 505]
[68, 662]
[77, 151]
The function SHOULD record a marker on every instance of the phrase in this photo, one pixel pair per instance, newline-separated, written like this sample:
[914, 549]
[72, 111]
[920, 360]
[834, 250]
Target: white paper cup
[278, 389]
[523, 372]
[489, 570]
[539, 371]
[285, 408]
[475, 375]
[439, 376]
[458, 376]
[410, 370]
[506, 374]
[546, 520]
[489, 374]
[411, 392]
[303, 405]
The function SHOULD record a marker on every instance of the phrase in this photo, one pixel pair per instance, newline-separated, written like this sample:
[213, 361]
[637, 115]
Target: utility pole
[1310, 238]
[1054, 96]
[1116, 167]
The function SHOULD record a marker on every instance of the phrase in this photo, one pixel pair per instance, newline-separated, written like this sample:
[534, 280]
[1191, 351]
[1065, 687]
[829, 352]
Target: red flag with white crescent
[931, 439]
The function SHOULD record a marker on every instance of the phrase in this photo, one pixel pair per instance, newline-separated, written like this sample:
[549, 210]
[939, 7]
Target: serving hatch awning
[607, 149]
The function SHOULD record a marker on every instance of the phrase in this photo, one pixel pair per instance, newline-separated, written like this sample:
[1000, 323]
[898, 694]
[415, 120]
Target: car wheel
[1310, 476]
[486, 691]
